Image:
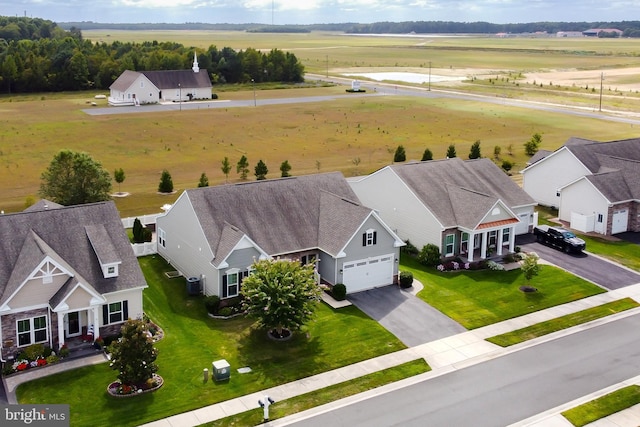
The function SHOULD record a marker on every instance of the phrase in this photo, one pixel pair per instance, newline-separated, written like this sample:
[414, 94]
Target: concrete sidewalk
[444, 355]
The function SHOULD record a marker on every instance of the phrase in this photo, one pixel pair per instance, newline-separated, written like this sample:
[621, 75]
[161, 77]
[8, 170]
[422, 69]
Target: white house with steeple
[152, 87]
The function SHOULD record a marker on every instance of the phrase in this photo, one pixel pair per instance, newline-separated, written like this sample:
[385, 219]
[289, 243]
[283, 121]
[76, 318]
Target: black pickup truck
[559, 237]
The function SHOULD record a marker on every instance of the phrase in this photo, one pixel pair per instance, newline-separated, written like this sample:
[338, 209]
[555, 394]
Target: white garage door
[368, 273]
[620, 220]
[523, 226]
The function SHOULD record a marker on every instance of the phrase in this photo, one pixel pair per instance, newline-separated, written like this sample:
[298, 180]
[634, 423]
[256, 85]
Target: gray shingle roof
[460, 192]
[61, 233]
[587, 151]
[171, 78]
[615, 166]
[281, 215]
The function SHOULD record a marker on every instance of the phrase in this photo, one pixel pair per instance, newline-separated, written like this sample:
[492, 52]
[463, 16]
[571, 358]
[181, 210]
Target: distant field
[354, 135]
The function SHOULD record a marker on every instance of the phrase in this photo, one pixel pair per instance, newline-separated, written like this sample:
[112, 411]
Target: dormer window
[110, 270]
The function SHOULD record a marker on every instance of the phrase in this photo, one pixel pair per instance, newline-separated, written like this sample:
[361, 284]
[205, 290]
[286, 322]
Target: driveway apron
[410, 319]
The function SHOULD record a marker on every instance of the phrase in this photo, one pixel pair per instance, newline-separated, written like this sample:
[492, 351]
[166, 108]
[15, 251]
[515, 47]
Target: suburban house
[216, 233]
[151, 87]
[470, 209]
[594, 185]
[65, 272]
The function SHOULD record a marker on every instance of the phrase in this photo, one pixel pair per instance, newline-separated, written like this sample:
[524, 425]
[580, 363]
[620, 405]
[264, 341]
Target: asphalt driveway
[585, 265]
[406, 316]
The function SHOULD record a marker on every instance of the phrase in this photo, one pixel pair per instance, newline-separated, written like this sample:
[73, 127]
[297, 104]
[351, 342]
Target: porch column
[96, 323]
[60, 329]
[499, 243]
[483, 246]
[512, 240]
[471, 246]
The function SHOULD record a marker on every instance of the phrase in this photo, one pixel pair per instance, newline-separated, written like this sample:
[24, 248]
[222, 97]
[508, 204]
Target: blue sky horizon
[305, 12]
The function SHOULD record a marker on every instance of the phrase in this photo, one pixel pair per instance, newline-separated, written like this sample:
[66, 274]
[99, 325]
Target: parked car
[560, 238]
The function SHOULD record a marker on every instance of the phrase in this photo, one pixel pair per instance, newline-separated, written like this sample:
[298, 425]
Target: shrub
[7, 369]
[212, 303]
[409, 248]
[406, 279]
[226, 311]
[64, 351]
[495, 266]
[52, 358]
[339, 291]
[429, 255]
[34, 351]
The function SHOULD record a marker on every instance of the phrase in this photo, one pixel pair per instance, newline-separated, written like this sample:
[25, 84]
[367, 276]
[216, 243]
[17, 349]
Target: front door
[73, 324]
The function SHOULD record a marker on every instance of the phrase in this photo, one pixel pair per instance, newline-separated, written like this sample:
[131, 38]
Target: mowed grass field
[355, 135]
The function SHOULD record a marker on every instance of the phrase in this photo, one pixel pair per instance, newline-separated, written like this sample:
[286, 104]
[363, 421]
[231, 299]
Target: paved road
[597, 270]
[501, 391]
[406, 316]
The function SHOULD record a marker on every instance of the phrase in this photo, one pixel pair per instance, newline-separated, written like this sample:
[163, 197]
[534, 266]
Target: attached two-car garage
[368, 273]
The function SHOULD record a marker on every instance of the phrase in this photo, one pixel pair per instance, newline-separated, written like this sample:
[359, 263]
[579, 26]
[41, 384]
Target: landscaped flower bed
[117, 389]
[34, 356]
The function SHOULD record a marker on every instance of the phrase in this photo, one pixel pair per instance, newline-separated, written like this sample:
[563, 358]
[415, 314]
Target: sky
[282, 12]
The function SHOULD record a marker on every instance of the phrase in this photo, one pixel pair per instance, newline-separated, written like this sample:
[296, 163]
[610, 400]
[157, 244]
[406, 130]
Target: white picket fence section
[144, 219]
[147, 248]
[143, 249]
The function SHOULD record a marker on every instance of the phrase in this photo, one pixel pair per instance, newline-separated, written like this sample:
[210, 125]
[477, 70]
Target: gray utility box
[221, 370]
[193, 286]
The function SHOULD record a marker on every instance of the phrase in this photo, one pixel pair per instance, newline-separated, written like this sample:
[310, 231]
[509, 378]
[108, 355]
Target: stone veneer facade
[633, 218]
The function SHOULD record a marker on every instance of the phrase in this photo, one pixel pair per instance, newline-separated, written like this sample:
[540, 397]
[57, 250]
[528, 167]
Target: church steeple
[195, 67]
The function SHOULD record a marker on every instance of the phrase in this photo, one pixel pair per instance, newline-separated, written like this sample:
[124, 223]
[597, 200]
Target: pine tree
[226, 168]
[400, 155]
[204, 181]
[474, 153]
[261, 170]
[427, 155]
[166, 183]
[451, 151]
[243, 167]
[285, 167]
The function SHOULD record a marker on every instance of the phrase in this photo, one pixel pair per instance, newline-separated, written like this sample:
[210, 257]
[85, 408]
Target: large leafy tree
[74, 178]
[133, 354]
[281, 294]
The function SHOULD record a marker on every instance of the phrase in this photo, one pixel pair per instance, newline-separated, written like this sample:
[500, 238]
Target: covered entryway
[620, 221]
[368, 273]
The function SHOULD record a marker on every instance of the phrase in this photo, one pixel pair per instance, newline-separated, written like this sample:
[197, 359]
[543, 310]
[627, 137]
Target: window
[115, 312]
[449, 242]
[31, 331]
[162, 238]
[600, 218]
[464, 243]
[506, 235]
[307, 259]
[111, 270]
[369, 238]
[231, 282]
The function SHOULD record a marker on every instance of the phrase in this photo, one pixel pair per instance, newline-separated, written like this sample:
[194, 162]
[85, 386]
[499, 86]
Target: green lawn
[193, 340]
[480, 298]
[564, 322]
[326, 395]
[603, 406]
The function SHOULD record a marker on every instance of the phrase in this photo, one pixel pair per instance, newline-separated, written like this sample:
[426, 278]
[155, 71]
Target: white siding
[543, 179]
[582, 197]
[187, 248]
[398, 207]
[525, 215]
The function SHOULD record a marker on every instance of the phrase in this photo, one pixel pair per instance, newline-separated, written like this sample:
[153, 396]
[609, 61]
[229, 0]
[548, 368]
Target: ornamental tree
[281, 294]
[530, 267]
[133, 354]
[74, 178]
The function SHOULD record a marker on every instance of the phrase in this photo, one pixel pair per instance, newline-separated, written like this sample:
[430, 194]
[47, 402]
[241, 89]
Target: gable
[76, 295]
[499, 214]
[37, 289]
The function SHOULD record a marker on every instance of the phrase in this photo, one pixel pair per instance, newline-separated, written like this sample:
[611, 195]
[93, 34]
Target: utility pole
[601, 79]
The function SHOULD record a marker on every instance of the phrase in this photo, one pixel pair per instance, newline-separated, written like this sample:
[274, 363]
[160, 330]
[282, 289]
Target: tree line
[67, 62]
[630, 28]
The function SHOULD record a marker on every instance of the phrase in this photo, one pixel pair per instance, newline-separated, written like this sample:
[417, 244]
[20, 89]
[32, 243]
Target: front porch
[489, 241]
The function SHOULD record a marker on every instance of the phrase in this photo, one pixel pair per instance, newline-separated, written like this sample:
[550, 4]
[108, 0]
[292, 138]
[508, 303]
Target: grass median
[326, 395]
[564, 322]
[603, 406]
